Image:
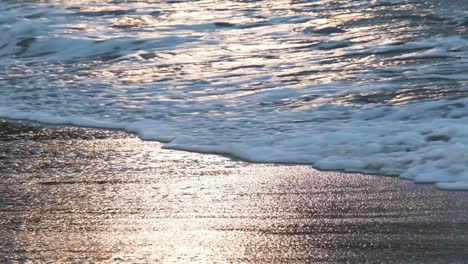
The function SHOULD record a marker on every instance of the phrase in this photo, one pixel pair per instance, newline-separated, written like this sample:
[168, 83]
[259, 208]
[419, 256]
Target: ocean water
[363, 86]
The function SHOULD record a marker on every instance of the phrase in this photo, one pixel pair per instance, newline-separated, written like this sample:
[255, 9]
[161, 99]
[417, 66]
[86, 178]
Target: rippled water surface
[369, 86]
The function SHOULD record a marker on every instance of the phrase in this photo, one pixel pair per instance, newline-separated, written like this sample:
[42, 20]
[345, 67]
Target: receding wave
[362, 86]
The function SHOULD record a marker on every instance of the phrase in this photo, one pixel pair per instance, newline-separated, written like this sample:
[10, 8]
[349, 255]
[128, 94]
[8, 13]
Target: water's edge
[226, 154]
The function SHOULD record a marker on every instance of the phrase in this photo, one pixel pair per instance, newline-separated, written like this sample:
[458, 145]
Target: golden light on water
[227, 73]
[122, 200]
[227, 48]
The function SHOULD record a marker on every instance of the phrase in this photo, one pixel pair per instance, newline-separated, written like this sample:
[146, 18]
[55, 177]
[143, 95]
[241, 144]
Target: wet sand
[70, 195]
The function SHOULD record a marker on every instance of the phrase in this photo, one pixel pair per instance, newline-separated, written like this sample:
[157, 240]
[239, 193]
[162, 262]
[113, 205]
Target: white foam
[436, 155]
[260, 88]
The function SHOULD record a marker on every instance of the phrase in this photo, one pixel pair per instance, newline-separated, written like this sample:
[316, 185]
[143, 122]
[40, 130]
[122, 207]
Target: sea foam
[362, 88]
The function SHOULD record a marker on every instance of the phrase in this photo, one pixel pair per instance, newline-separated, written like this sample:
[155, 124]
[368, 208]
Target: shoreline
[97, 196]
[222, 154]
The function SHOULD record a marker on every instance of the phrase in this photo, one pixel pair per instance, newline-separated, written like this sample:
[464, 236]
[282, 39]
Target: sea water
[363, 86]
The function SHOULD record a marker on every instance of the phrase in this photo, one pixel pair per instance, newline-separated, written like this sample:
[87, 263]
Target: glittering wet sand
[93, 196]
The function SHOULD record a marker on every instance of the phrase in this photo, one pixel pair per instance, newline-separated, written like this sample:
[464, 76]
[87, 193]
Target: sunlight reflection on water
[278, 81]
[90, 196]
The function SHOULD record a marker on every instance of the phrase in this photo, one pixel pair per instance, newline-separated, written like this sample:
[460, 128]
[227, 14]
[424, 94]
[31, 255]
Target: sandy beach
[74, 195]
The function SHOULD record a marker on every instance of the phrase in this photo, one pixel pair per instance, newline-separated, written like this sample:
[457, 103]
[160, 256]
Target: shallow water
[369, 86]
